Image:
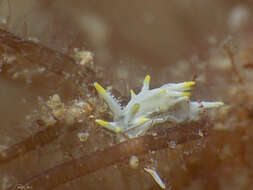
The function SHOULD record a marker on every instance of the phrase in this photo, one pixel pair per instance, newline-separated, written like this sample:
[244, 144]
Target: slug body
[170, 102]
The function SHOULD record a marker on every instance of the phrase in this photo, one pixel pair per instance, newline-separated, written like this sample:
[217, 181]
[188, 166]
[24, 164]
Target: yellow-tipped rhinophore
[102, 122]
[142, 120]
[188, 85]
[100, 89]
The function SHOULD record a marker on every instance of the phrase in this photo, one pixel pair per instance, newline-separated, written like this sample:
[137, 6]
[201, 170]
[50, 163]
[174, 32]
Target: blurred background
[149, 35]
[173, 41]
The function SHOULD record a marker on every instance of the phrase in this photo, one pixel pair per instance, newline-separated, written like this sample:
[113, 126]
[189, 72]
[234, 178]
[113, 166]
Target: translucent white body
[170, 102]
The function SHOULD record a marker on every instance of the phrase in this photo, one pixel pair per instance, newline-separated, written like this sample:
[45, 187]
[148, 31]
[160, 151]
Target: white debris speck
[172, 144]
[33, 39]
[201, 134]
[83, 136]
[9, 58]
[156, 177]
[23, 187]
[41, 69]
[83, 57]
[134, 162]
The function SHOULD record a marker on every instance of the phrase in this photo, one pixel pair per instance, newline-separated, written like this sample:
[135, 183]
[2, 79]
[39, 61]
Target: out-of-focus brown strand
[41, 138]
[76, 168]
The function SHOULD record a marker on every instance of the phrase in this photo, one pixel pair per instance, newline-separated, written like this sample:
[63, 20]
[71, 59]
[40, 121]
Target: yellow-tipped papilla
[117, 129]
[180, 86]
[132, 112]
[132, 93]
[187, 94]
[147, 79]
[163, 91]
[142, 120]
[146, 83]
[101, 91]
[108, 125]
[135, 108]
[110, 100]
[188, 85]
[102, 122]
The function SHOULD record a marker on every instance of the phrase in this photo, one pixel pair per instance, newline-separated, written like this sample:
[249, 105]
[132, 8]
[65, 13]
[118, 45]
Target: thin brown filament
[31, 143]
[76, 168]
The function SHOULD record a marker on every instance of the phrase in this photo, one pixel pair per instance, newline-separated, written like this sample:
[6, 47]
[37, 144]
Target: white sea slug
[170, 103]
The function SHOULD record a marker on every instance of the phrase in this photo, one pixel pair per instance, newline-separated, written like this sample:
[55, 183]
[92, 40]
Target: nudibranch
[170, 103]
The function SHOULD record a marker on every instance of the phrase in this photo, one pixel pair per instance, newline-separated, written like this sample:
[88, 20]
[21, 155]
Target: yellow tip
[142, 120]
[187, 94]
[99, 89]
[163, 91]
[132, 93]
[146, 80]
[135, 108]
[187, 85]
[102, 122]
[117, 129]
